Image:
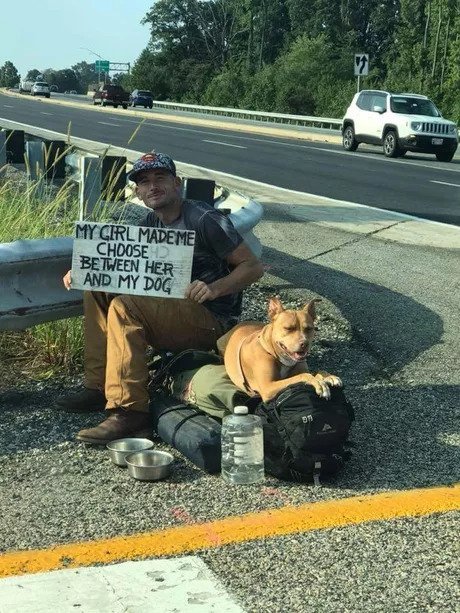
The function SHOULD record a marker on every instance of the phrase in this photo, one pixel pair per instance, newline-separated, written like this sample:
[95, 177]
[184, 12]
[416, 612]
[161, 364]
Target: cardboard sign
[122, 259]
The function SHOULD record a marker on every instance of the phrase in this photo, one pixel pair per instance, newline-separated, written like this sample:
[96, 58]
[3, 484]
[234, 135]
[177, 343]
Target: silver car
[40, 88]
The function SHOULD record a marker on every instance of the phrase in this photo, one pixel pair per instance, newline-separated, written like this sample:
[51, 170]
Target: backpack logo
[307, 418]
[327, 428]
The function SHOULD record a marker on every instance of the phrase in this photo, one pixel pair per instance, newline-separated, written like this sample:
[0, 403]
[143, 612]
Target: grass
[30, 211]
[34, 210]
[40, 209]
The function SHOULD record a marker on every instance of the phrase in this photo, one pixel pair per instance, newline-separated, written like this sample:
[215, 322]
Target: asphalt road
[417, 185]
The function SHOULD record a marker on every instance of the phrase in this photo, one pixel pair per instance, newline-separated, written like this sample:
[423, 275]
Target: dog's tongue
[299, 356]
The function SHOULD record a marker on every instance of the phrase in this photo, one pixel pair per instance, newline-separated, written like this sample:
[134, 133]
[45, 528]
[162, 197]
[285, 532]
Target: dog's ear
[310, 307]
[274, 307]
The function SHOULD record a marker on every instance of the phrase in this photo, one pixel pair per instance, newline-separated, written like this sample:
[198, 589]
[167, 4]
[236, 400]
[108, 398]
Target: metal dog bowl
[119, 449]
[149, 465]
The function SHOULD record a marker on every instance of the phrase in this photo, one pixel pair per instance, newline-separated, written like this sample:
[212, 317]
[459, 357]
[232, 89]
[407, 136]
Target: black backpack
[305, 436]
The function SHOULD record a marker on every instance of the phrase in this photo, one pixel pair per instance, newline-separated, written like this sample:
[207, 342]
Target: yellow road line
[252, 526]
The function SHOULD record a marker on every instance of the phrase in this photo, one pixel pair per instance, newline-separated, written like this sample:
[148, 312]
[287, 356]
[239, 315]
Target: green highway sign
[102, 65]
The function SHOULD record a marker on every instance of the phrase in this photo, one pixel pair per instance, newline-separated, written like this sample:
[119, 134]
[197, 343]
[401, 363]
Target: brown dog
[264, 359]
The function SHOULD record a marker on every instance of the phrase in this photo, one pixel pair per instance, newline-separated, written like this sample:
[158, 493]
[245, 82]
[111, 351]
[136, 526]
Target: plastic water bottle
[242, 447]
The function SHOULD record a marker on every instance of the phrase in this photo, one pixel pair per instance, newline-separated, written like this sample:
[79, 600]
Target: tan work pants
[118, 330]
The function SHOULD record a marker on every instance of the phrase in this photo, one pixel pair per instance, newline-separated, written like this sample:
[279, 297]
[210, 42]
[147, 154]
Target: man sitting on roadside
[119, 328]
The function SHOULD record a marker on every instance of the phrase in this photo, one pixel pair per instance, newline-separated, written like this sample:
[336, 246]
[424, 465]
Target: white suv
[40, 88]
[400, 123]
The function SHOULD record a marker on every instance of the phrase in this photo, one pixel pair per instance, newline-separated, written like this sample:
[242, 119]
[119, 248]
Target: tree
[297, 56]
[450, 69]
[149, 73]
[426, 52]
[228, 88]
[64, 79]
[312, 78]
[9, 76]
[174, 28]
[86, 75]
[120, 78]
[219, 30]
[33, 74]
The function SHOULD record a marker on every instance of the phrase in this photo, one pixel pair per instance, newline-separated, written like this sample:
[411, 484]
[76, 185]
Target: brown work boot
[87, 400]
[120, 423]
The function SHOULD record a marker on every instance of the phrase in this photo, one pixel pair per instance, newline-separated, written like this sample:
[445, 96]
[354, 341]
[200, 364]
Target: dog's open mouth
[297, 356]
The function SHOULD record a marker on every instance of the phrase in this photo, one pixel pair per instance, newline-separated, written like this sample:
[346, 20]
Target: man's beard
[160, 203]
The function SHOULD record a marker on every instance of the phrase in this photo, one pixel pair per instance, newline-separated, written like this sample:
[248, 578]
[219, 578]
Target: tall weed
[31, 211]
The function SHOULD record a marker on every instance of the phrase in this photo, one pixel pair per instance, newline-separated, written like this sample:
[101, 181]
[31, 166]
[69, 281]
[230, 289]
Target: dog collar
[264, 345]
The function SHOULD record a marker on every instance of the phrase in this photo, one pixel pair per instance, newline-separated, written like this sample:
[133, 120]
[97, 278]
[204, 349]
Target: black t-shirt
[216, 238]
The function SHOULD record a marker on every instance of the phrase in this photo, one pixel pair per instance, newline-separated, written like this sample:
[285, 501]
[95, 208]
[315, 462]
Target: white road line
[44, 113]
[444, 183]
[106, 123]
[218, 142]
[9, 106]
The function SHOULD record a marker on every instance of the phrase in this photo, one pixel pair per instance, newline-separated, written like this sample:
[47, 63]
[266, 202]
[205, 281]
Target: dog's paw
[322, 389]
[333, 381]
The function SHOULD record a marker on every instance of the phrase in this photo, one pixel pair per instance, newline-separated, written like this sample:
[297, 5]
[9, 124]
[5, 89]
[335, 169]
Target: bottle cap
[240, 410]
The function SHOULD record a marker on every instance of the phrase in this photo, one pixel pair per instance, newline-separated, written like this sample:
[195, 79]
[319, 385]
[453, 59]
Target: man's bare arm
[247, 269]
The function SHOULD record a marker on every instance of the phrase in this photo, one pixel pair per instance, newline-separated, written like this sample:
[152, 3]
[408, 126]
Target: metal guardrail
[298, 120]
[330, 123]
[31, 286]
[31, 271]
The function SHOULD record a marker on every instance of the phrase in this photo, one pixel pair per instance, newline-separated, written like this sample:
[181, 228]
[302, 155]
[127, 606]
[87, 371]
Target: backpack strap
[317, 473]
[185, 360]
[271, 409]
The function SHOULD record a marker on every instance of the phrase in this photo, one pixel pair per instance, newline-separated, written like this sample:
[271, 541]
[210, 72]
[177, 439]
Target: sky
[50, 33]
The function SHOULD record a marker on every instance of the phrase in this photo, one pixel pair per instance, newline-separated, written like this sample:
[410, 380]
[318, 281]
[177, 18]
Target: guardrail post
[199, 189]
[15, 146]
[101, 180]
[3, 157]
[35, 166]
[55, 159]
[113, 178]
[35, 154]
[90, 185]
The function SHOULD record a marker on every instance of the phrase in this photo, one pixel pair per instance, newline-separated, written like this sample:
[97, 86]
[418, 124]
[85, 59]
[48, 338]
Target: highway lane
[417, 185]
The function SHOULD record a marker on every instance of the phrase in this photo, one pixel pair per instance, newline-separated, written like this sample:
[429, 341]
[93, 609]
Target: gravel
[55, 489]
[409, 566]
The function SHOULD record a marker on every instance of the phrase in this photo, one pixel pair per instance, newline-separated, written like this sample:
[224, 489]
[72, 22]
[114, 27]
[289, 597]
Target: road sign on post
[102, 65]
[361, 65]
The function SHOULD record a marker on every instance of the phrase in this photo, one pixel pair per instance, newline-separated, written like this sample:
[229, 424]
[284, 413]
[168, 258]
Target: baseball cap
[150, 161]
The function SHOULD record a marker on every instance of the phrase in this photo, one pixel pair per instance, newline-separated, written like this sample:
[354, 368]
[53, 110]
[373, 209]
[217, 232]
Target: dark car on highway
[141, 97]
[111, 95]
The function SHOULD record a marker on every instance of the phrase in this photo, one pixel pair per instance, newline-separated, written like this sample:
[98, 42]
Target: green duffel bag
[209, 388]
[199, 378]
